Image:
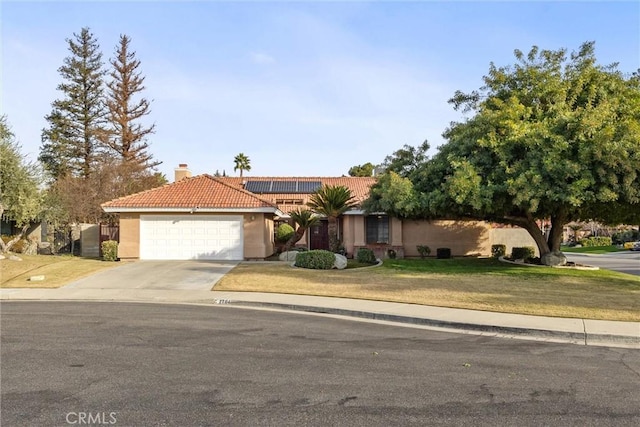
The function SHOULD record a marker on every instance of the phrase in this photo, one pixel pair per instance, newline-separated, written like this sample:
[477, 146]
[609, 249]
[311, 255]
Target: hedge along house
[232, 218]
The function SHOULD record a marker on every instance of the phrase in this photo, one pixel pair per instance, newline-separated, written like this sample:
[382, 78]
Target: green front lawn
[471, 283]
[58, 270]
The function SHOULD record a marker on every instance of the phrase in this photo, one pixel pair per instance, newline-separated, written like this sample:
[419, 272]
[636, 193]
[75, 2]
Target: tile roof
[204, 191]
[359, 187]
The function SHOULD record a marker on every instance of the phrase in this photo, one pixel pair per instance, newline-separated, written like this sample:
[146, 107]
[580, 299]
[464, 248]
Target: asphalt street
[131, 364]
[624, 262]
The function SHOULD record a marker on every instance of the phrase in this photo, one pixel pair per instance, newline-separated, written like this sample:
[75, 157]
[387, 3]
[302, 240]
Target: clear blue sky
[302, 88]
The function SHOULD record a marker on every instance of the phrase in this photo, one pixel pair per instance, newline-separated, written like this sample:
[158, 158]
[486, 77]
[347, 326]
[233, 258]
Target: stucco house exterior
[232, 218]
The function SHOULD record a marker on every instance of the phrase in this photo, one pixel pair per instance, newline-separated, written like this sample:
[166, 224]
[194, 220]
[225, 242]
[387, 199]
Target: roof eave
[113, 209]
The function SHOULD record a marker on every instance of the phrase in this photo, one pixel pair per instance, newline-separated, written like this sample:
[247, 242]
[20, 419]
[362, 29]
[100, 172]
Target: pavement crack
[584, 331]
[626, 365]
[341, 402]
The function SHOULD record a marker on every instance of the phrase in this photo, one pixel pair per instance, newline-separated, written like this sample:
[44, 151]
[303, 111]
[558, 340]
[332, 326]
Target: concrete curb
[565, 330]
[582, 338]
[395, 318]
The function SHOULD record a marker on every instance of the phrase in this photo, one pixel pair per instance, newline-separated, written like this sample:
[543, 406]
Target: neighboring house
[230, 218]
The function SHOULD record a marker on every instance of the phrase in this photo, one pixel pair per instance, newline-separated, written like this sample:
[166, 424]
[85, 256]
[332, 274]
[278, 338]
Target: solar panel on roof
[308, 186]
[258, 186]
[282, 187]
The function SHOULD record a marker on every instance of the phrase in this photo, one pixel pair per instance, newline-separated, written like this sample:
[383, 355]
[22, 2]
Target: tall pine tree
[70, 145]
[127, 137]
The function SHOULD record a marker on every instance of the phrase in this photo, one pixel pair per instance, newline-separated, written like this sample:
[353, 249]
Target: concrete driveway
[164, 275]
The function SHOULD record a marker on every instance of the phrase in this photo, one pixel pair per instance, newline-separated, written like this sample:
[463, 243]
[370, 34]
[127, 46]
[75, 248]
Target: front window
[377, 229]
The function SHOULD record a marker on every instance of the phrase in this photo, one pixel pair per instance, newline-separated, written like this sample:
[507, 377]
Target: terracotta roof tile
[204, 191]
[207, 191]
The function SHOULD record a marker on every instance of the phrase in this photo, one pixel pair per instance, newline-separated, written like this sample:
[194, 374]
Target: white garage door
[191, 237]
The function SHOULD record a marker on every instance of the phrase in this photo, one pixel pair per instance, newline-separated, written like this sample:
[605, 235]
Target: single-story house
[234, 218]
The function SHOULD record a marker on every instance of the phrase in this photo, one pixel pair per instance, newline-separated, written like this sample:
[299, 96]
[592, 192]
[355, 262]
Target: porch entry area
[319, 235]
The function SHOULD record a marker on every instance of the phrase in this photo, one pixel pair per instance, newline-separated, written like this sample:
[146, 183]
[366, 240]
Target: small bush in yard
[366, 256]
[423, 250]
[498, 250]
[316, 259]
[109, 250]
[596, 241]
[524, 252]
[443, 253]
[284, 233]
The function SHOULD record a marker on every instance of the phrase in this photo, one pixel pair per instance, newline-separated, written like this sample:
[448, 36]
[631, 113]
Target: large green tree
[332, 201]
[70, 143]
[20, 196]
[554, 137]
[406, 160]
[362, 170]
[95, 146]
[127, 136]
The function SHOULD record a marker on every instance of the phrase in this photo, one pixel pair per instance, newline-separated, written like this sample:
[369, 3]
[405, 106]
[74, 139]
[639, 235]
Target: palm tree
[332, 201]
[575, 228]
[242, 162]
[303, 219]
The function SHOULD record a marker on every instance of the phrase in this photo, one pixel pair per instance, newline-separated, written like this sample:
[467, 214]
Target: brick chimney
[182, 172]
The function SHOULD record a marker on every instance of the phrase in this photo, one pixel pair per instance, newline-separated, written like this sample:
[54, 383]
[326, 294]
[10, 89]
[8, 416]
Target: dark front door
[319, 236]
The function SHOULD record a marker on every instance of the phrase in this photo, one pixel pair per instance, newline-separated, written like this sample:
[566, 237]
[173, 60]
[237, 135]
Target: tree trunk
[555, 235]
[529, 224]
[549, 249]
[295, 238]
[7, 247]
[333, 234]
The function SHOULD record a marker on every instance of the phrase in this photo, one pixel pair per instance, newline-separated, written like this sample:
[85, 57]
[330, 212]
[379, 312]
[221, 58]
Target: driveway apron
[159, 275]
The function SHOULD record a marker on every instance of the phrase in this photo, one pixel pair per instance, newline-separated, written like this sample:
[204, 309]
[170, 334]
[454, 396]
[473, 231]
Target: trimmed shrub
[391, 253]
[596, 241]
[498, 250]
[109, 250]
[524, 252]
[366, 256]
[423, 250]
[625, 236]
[443, 253]
[317, 259]
[284, 233]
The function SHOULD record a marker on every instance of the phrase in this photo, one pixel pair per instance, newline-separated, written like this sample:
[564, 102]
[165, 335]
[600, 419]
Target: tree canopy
[127, 136]
[77, 120]
[406, 160]
[242, 163]
[20, 196]
[553, 137]
[95, 145]
[362, 170]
